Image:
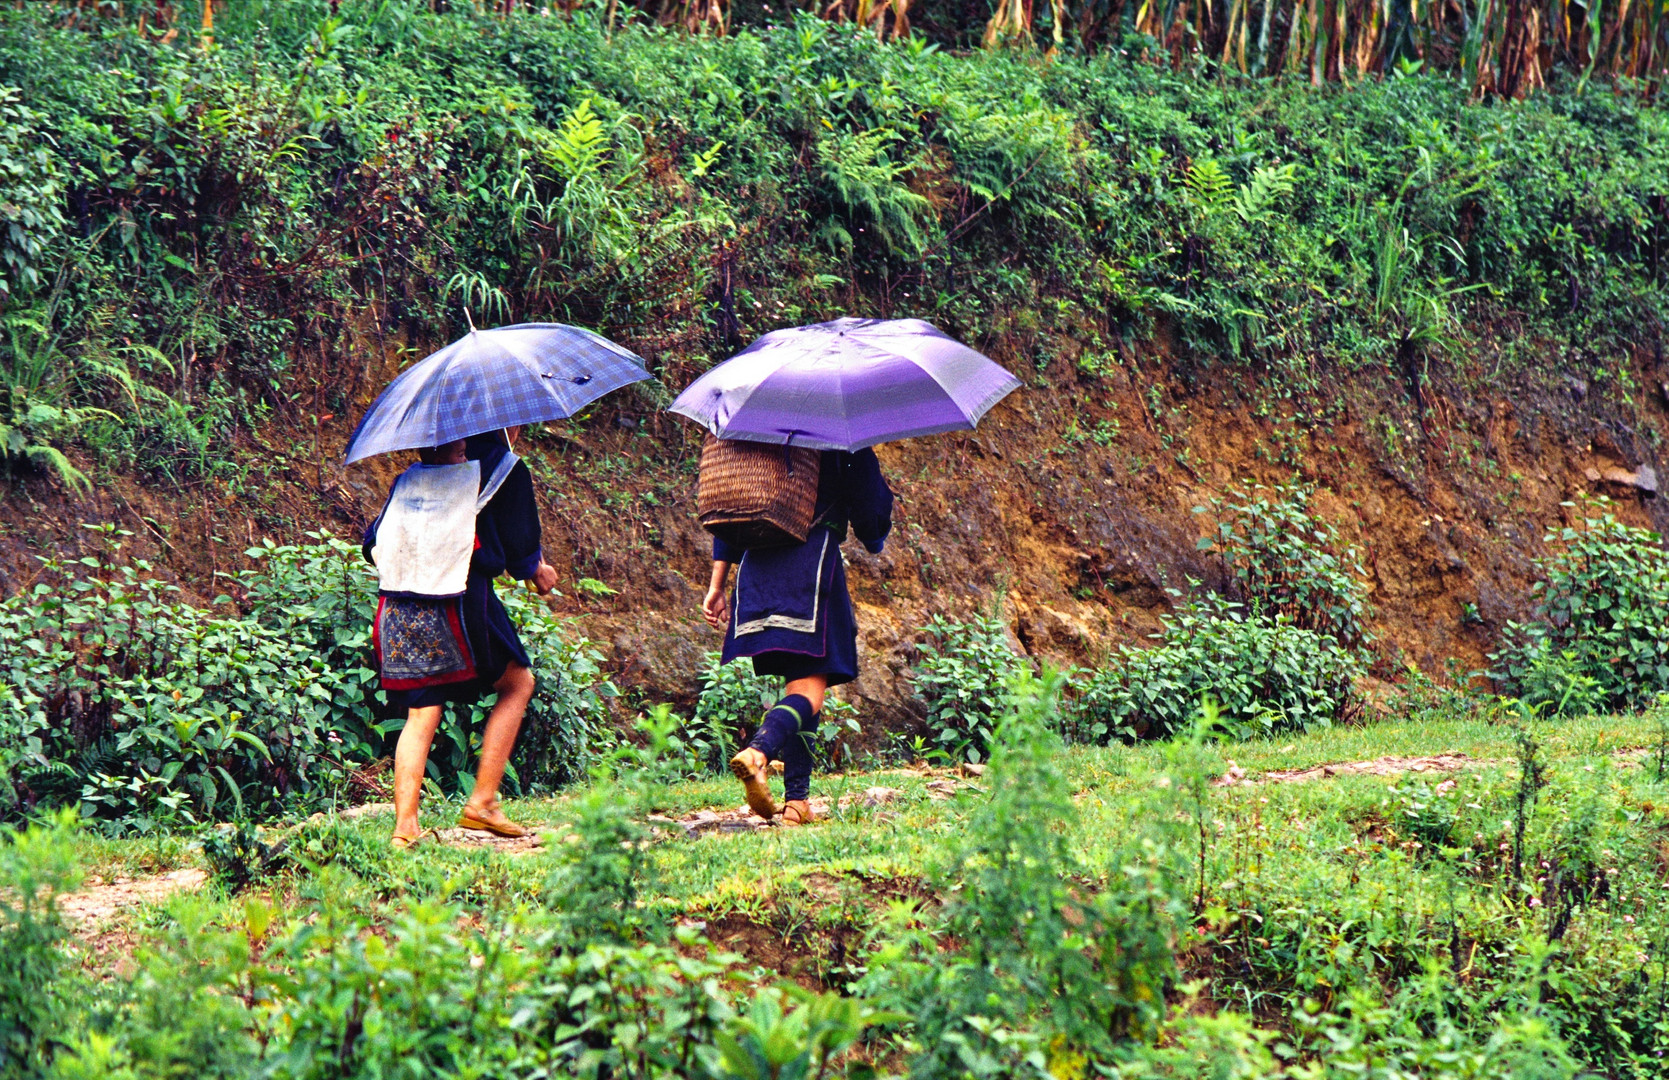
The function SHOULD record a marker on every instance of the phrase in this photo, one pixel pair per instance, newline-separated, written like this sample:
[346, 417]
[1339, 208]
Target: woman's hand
[544, 578]
[715, 607]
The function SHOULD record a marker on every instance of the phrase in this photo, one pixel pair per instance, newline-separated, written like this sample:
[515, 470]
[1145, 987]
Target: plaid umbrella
[846, 384]
[491, 379]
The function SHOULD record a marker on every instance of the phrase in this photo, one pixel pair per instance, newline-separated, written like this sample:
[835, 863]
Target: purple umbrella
[845, 385]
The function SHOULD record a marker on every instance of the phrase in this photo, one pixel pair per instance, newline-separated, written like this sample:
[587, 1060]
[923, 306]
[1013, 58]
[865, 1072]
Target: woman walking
[461, 517]
[793, 616]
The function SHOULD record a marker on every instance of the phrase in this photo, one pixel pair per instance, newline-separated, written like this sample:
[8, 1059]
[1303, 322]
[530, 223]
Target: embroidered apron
[425, 538]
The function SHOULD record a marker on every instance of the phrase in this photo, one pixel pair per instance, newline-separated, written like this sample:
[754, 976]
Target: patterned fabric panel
[421, 643]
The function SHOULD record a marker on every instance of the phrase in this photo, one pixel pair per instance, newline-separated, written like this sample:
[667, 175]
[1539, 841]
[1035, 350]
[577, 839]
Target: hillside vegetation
[1275, 686]
[1105, 912]
[201, 240]
[217, 251]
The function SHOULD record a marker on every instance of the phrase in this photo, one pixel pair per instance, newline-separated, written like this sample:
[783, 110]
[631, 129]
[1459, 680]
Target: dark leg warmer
[796, 761]
[778, 728]
[785, 735]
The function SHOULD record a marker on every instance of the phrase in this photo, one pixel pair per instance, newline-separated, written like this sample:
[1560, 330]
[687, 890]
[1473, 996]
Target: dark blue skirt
[791, 613]
[492, 641]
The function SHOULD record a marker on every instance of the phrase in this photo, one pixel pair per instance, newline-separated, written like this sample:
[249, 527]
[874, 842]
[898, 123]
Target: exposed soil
[1071, 511]
[1383, 766]
[100, 901]
[460, 838]
[741, 819]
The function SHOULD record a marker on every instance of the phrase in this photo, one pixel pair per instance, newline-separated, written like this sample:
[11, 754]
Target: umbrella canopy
[492, 379]
[845, 385]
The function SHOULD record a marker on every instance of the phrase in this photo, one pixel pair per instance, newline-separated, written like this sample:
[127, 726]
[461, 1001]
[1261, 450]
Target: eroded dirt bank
[1072, 508]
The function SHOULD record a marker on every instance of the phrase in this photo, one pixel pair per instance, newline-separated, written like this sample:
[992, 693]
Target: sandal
[402, 842]
[506, 828]
[797, 812]
[751, 768]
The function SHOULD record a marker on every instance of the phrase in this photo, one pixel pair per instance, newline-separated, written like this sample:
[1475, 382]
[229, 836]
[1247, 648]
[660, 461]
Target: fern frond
[1269, 185]
[1207, 184]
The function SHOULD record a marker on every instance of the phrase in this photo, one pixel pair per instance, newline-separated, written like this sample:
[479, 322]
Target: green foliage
[962, 677]
[422, 991]
[31, 196]
[238, 209]
[869, 187]
[733, 699]
[602, 870]
[238, 856]
[149, 712]
[35, 866]
[1108, 911]
[1266, 674]
[769, 1042]
[1287, 565]
[39, 384]
[1043, 974]
[1598, 642]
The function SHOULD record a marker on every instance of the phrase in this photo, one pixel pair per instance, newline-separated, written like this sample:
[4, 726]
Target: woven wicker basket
[756, 495]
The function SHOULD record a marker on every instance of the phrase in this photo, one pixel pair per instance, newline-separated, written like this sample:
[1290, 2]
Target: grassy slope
[1312, 888]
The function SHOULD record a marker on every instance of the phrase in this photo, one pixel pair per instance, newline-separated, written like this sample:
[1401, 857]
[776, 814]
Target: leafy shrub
[1599, 640]
[424, 990]
[1428, 812]
[604, 866]
[35, 866]
[961, 677]
[1425, 698]
[238, 856]
[733, 701]
[31, 196]
[148, 712]
[41, 390]
[1286, 564]
[1044, 977]
[1266, 675]
[216, 192]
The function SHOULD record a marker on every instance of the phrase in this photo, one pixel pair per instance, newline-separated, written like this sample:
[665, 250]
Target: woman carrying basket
[839, 387]
[793, 616]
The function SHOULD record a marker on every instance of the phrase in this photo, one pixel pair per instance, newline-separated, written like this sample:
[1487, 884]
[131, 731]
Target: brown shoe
[752, 769]
[797, 812]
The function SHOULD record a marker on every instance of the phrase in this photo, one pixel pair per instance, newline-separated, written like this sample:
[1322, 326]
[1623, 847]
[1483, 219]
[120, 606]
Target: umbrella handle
[550, 601]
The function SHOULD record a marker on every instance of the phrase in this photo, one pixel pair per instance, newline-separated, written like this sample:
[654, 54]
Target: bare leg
[515, 690]
[411, 755]
[812, 688]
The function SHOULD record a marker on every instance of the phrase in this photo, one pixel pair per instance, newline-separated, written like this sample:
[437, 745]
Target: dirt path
[100, 901]
[742, 819]
[459, 838]
[1383, 766]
